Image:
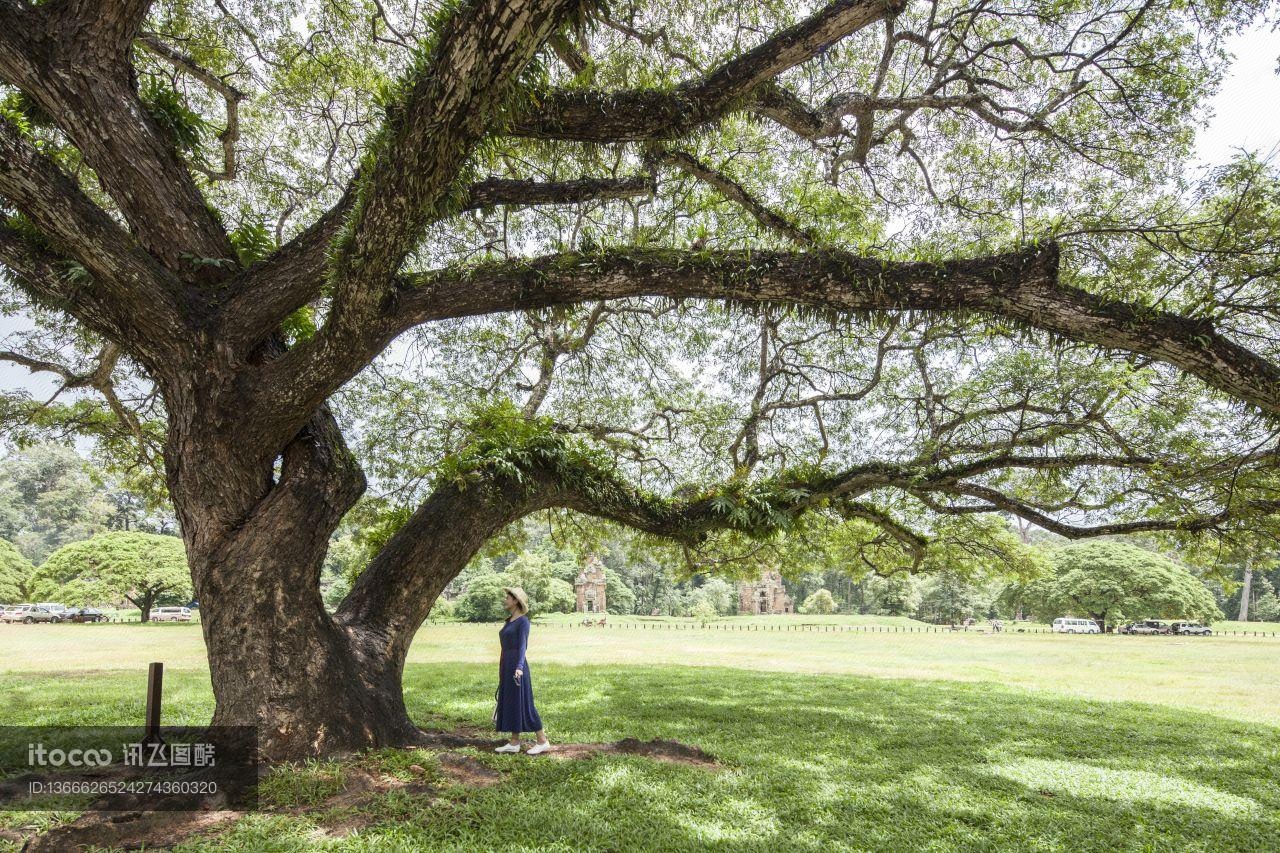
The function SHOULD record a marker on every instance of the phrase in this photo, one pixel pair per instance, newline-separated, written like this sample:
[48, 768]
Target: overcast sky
[1245, 115]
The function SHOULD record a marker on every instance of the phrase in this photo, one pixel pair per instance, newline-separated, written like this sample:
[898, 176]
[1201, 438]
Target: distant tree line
[68, 534]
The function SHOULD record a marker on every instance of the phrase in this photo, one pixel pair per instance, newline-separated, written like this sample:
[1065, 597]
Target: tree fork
[278, 660]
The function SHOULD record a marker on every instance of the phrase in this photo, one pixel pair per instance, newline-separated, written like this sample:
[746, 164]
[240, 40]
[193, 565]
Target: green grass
[809, 762]
[941, 750]
[1260, 627]
[1228, 676]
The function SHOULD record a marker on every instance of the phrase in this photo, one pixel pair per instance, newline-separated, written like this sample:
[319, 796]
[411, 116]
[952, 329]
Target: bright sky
[1245, 110]
[1245, 115]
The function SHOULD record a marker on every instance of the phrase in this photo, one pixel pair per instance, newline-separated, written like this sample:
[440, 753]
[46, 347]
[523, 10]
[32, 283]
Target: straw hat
[519, 595]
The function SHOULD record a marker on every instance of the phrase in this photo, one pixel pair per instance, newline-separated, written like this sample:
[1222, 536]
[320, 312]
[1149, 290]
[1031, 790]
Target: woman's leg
[514, 739]
[542, 736]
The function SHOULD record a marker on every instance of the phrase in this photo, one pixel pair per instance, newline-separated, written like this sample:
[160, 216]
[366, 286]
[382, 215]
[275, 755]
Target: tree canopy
[820, 601]
[48, 498]
[140, 567]
[1110, 581]
[910, 133]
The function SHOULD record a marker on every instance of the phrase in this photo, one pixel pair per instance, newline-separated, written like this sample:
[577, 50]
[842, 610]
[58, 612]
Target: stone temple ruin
[767, 595]
[589, 587]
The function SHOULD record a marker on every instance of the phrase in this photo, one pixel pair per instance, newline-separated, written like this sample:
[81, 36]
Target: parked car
[171, 614]
[52, 607]
[1187, 628]
[84, 614]
[1075, 626]
[1147, 626]
[14, 612]
[29, 613]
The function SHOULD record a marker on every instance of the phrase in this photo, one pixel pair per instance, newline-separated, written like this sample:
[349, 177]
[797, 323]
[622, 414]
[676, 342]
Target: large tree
[140, 567]
[1109, 581]
[951, 212]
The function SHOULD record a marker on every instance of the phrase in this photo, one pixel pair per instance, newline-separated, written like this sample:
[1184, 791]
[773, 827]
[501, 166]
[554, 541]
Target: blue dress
[515, 701]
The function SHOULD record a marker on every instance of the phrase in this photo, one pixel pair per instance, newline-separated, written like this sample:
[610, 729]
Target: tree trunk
[279, 661]
[148, 598]
[256, 542]
[257, 530]
[1246, 592]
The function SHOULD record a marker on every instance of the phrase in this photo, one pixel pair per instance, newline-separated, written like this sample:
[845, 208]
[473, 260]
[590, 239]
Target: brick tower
[766, 595]
[589, 588]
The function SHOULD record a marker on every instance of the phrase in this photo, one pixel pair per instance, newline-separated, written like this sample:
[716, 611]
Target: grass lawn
[1229, 676]
[934, 753]
[1261, 627]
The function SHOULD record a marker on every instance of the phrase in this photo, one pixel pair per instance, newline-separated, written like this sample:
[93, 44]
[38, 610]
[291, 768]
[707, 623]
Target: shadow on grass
[868, 763]
[808, 762]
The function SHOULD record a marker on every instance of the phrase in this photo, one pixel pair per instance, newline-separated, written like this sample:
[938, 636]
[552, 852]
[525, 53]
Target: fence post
[155, 683]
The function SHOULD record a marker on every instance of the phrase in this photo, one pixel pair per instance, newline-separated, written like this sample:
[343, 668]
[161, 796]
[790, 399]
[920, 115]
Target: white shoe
[538, 749]
[508, 747]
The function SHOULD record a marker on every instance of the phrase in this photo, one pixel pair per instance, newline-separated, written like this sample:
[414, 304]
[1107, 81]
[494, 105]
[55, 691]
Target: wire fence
[865, 629]
[777, 627]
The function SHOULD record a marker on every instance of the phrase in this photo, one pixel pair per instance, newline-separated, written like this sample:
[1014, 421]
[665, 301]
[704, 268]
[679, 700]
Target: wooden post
[155, 684]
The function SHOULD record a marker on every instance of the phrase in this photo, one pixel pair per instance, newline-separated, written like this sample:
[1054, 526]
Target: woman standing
[515, 712]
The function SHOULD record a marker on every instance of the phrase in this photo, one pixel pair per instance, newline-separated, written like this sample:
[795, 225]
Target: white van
[170, 614]
[52, 606]
[1075, 626]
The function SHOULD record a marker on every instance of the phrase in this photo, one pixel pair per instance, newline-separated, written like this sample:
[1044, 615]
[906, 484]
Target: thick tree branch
[104, 27]
[16, 21]
[293, 276]
[147, 299]
[395, 593]
[412, 175]
[1020, 286]
[651, 114]
[35, 270]
[495, 191]
[74, 63]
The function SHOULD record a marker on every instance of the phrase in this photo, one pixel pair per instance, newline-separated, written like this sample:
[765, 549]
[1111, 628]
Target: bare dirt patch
[465, 770]
[667, 750]
[670, 751]
[128, 830]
